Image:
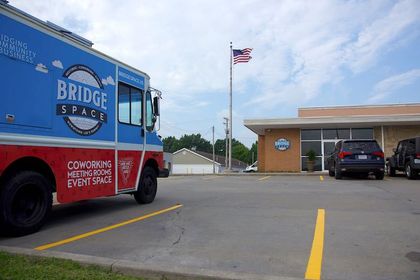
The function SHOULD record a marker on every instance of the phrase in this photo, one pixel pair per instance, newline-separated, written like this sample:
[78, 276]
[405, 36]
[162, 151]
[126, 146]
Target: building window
[317, 164]
[362, 133]
[339, 133]
[311, 145]
[311, 134]
[322, 142]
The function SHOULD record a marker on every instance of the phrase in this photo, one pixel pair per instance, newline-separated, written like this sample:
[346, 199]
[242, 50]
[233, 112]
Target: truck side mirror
[156, 106]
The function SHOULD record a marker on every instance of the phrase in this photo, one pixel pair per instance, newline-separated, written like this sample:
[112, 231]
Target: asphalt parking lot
[289, 226]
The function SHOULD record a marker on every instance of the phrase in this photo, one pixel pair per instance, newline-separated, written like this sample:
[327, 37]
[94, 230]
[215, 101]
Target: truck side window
[123, 104]
[136, 99]
[149, 112]
[129, 104]
[411, 146]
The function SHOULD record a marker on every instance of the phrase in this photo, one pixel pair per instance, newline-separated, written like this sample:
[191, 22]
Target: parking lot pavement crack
[181, 233]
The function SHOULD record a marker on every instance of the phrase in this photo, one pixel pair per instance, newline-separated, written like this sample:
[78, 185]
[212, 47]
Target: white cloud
[58, 64]
[299, 47]
[391, 84]
[41, 68]
[379, 36]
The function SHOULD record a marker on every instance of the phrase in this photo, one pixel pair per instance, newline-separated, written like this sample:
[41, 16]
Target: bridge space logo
[81, 99]
[282, 144]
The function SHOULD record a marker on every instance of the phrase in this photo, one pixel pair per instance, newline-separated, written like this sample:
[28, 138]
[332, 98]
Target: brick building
[283, 143]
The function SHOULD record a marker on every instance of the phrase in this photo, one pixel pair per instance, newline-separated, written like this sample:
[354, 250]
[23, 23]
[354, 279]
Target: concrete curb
[142, 270]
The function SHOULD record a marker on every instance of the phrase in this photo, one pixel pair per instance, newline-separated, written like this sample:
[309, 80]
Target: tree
[239, 151]
[254, 150]
[220, 147]
[194, 141]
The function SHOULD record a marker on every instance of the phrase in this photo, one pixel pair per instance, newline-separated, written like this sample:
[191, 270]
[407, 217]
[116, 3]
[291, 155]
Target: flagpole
[230, 112]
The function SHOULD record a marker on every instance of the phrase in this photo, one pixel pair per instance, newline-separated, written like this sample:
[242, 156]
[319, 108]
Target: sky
[305, 53]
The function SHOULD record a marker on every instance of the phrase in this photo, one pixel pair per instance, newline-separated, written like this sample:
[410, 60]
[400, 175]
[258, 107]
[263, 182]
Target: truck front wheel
[148, 186]
[25, 203]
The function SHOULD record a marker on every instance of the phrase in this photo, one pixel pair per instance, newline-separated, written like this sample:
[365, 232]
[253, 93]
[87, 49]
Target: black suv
[356, 157]
[406, 158]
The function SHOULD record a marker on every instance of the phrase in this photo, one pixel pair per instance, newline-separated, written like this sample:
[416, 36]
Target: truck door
[130, 135]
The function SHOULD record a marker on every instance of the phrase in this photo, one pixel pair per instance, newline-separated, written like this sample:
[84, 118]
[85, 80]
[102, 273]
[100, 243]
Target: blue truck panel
[53, 88]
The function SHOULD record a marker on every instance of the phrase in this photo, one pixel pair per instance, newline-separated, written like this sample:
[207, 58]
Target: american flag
[241, 56]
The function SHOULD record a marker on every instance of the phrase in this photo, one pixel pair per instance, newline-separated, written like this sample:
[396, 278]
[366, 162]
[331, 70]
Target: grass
[23, 267]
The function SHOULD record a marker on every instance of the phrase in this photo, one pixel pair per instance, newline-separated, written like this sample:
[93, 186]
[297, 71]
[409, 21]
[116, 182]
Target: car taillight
[379, 154]
[343, 154]
[417, 155]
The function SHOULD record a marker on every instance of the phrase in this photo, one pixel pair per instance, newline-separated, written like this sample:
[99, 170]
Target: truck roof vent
[68, 33]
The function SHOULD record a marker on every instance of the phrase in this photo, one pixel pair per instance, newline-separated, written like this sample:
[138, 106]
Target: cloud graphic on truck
[41, 68]
[108, 81]
[58, 64]
[81, 100]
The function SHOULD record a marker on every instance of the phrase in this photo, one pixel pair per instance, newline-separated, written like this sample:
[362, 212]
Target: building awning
[259, 126]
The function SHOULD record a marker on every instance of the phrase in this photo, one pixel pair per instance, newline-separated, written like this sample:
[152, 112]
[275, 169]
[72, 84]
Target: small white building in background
[185, 161]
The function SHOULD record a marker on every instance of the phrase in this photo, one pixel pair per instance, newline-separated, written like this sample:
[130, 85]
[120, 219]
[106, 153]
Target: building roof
[259, 126]
[197, 155]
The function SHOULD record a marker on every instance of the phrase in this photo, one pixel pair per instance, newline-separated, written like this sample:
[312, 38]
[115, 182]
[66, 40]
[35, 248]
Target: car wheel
[146, 192]
[379, 175]
[331, 173]
[25, 203]
[409, 172]
[337, 173]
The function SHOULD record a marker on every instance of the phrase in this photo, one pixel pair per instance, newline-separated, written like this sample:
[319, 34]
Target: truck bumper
[163, 173]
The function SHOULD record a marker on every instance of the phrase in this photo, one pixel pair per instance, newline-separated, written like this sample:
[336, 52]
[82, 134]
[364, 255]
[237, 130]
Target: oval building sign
[282, 144]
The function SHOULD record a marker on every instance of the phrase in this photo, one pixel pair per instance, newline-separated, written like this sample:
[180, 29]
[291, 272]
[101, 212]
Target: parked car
[406, 158]
[356, 157]
[252, 168]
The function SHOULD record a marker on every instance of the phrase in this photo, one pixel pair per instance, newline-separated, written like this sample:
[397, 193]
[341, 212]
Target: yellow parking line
[90, 233]
[313, 270]
[264, 178]
[321, 178]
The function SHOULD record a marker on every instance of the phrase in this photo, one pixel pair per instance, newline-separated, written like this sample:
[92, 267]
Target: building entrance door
[327, 149]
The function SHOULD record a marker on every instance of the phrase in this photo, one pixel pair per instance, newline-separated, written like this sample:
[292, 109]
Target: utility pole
[227, 136]
[214, 166]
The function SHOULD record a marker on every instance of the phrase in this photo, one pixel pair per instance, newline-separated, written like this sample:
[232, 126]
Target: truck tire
[148, 186]
[409, 171]
[25, 203]
[337, 173]
[331, 172]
